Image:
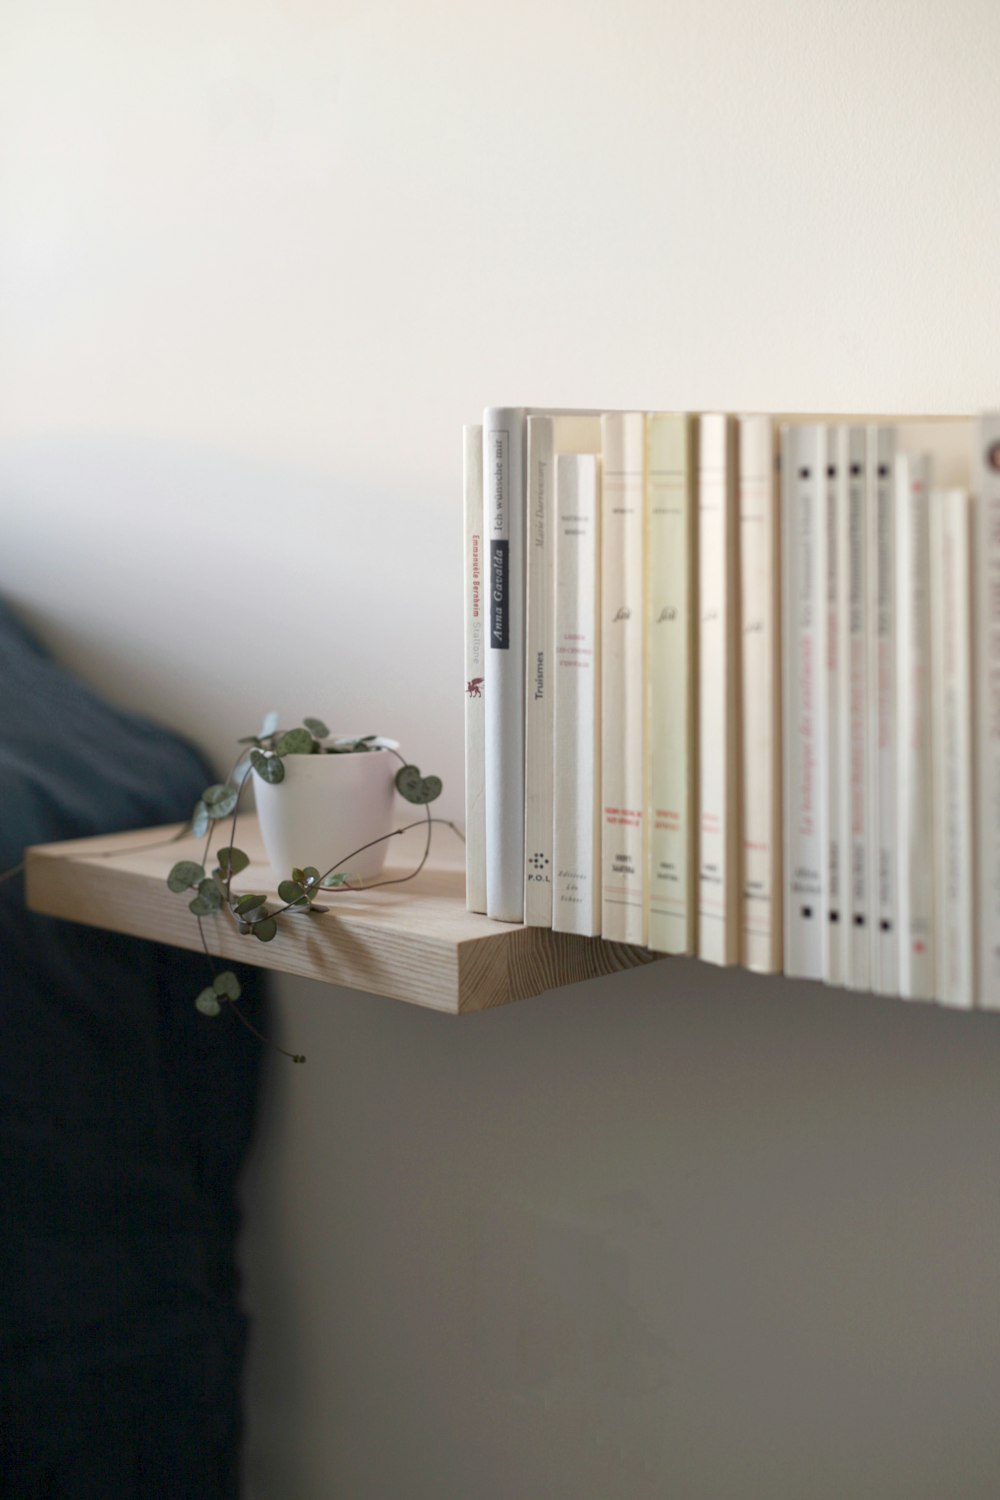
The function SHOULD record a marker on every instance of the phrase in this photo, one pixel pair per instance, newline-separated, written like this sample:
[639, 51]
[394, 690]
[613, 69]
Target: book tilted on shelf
[914, 782]
[623, 676]
[856, 837]
[951, 694]
[474, 602]
[760, 688]
[836, 801]
[547, 436]
[719, 863]
[986, 655]
[884, 966]
[671, 666]
[803, 514]
[576, 835]
[504, 521]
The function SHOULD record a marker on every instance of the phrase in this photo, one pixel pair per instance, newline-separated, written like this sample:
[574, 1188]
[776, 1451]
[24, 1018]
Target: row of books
[733, 689]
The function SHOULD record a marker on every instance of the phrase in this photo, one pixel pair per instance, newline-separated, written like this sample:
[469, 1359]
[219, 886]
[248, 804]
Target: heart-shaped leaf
[232, 859]
[416, 788]
[209, 891]
[265, 930]
[334, 882]
[184, 875]
[200, 820]
[208, 1003]
[290, 891]
[247, 904]
[295, 742]
[227, 984]
[317, 728]
[268, 767]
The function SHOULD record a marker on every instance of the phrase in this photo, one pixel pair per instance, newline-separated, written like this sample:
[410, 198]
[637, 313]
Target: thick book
[986, 594]
[719, 864]
[671, 670]
[504, 518]
[952, 739]
[576, 835]
[803, 513]
[547, 436]
[856, 824]
[760, 690]
[914, 779]
[882, 873]
[474, 608]
[833, 678]
[623, 672]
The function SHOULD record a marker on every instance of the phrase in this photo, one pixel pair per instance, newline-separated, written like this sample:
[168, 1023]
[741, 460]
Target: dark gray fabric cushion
[125, 1116]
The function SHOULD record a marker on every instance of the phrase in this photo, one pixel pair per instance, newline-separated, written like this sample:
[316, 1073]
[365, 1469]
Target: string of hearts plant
[252, 914]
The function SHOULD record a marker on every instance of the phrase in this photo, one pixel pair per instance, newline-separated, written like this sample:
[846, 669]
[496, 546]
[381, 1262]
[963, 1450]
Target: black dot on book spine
[806, 911]
[855, 469]
[831, 471]
[883, 471]
[885, 926]
[859, 921]
[835, 916]
[804, 473]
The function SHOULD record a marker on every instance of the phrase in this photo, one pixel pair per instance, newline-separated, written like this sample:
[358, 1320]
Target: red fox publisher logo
[474, 689]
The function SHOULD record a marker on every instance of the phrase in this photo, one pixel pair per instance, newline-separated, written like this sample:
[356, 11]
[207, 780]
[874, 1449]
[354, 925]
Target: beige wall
[683, 1234]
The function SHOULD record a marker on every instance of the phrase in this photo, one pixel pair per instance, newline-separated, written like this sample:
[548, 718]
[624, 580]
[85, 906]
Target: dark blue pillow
[125, 1116]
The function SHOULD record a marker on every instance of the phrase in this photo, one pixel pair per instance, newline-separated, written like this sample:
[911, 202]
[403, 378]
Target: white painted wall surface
[685, 1234]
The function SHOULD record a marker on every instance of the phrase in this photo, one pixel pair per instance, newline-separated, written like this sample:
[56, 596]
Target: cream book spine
[986, 594]
[836, 801]
[855, 636]
[576, 903]
[719, 864]
[803, 510]
[883, 875]
[623, 676]
[504, 519]
[951, 687]
[475, 639]
[914, 779]
[547, 436]
[760, 686]
[671, 592]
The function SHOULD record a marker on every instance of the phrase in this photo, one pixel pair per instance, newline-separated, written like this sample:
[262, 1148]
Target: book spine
[474, 600]
[622, 644]
[987, 667]
[719, 876]
[883, 879]
[855, 608]
[576, 904]
[504, 506]
[804, 619]
[836, 512]
[951, 690]
[760, 606]
[538, 697]
[914, 782]
[671, 676]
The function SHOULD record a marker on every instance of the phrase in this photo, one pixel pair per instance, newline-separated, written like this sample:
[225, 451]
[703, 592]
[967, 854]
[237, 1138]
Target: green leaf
[295, 742]
[200, 820]
[249, 739]
[268, 767]
[184, 875]
[265, 930]
[209, 891]
[233, 859]
[299, 875]
[227, 984]
[334, 882]
[208, 1003]
[317, 728]
[199, 906]
[220, 800]
[416, 788]
[248, 903]
[310, 875]
[290, 891]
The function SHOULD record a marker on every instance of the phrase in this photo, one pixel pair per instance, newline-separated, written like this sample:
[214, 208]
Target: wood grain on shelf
[414, 941]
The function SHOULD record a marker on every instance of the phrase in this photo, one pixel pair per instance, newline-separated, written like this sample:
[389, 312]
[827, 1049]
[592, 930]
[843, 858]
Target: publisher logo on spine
[499, 597]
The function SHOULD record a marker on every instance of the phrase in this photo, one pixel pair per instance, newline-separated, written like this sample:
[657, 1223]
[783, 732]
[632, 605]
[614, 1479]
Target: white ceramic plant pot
[327, 806]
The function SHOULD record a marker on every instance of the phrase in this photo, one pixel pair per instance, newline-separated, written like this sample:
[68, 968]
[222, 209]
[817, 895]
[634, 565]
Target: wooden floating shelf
[414, 942]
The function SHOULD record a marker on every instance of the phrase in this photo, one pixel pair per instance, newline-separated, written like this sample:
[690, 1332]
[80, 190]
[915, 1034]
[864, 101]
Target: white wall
[684, 1233]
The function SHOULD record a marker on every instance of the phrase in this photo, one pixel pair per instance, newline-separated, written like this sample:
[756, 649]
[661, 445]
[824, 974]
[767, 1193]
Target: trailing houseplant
[209, 890]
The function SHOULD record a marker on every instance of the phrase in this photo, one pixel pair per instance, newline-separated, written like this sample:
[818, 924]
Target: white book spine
[951, 686]
[474, 602]
[804, 621]
[538, 695]
[856, 652]
[836, 801]
[987, 668]
[915, 787]
[882, 551]
[504, 507]
[719, 863]
[760, 606]
[671, 521]
[576, 904]
[623, 676]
